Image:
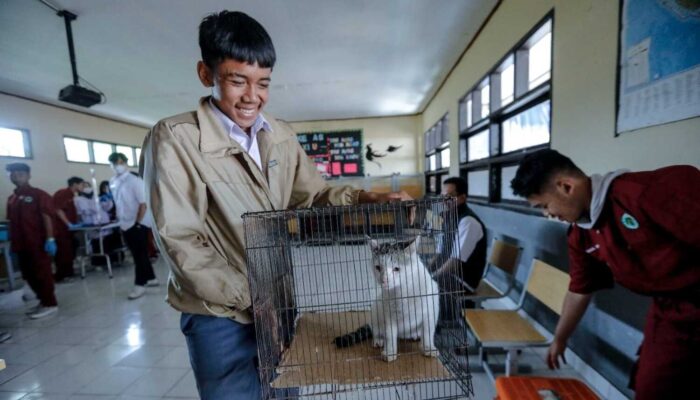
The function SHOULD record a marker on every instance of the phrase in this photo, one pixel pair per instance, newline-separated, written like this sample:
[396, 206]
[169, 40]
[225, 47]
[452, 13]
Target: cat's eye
[396, 269]
[378, 267]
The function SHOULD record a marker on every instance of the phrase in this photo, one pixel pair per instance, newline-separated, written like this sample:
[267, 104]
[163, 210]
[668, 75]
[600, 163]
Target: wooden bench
[507, 329]
[504, 257]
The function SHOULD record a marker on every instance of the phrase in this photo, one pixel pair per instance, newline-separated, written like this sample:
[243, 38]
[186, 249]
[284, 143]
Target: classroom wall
[583, 87]
[585, 40]
[47, 125]
[380, 132]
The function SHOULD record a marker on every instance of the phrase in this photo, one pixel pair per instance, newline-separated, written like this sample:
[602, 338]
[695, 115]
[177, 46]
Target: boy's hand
[374, 197]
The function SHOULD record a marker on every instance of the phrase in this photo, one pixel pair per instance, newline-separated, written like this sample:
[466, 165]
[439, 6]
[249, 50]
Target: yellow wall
[47, 125]
[584, 84]
[380, 132]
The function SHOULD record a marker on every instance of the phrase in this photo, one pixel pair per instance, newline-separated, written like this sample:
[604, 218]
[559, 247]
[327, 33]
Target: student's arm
[469, 232]
[62, 216]
[48, 225]
[141, 213]
[178, 201]
[575, 306]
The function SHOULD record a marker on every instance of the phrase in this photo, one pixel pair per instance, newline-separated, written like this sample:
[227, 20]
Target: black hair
[114, 157]
[74, 180]
[235, 35]
[16, 167]
[537, 169]
[104, 187]
[460, 184]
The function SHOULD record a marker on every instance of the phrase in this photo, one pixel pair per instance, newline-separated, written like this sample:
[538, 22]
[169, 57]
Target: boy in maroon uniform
[30, 211]
[66, 218]
[641, 230]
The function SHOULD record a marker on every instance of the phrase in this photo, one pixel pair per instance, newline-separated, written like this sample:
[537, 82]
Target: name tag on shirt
[272, 163]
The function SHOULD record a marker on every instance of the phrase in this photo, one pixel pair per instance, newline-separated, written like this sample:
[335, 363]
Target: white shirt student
[130, 201]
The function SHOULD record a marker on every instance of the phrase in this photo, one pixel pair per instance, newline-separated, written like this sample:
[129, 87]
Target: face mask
[87, 190]
[119, 169]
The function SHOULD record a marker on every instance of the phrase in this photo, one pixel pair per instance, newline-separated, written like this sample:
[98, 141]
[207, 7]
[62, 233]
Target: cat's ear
[410, 246]
[373, 244]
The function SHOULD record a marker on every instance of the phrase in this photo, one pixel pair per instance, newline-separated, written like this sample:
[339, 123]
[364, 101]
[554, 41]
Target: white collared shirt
[128, 192]
[249, 143]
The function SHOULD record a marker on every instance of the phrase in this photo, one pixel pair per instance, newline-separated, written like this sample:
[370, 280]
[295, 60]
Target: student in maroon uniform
[641, 230]
[31, 212]
[66, 218]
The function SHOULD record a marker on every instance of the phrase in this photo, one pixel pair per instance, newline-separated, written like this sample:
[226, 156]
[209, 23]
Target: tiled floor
[102, 346]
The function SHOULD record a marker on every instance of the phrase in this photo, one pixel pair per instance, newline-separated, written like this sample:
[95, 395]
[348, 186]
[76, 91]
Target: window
[14, 143]
[101, 152]
[485, 99]
[507, 75]
[513, 105]
[526, 129]
[97, 152]
[437, 154]
[77, 150]
[478, 145]
[540, 56]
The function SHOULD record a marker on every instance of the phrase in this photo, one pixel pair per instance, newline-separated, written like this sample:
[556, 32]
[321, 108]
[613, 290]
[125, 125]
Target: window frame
[437, 149]
[26, 141]
[91, 152]
[523, 100]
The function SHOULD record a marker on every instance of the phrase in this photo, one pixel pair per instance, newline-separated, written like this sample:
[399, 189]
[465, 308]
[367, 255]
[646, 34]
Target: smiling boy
[203, 170]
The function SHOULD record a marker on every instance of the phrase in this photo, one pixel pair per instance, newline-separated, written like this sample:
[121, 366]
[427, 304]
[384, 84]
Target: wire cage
[346, 304]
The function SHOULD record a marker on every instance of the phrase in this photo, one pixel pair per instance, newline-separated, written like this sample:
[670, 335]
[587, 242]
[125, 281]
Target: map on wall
[336, 154]
[659, 62]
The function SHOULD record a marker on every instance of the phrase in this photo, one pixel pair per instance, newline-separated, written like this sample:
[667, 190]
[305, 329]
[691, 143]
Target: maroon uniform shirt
[24, 210]
[647, 239]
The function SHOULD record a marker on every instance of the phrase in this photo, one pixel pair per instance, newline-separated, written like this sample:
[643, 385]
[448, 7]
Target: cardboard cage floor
[313, 359]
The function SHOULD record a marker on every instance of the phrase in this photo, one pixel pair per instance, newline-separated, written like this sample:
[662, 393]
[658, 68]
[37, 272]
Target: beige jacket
[199, 182]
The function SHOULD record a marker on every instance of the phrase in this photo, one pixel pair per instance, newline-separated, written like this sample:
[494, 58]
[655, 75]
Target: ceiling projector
[79, 95]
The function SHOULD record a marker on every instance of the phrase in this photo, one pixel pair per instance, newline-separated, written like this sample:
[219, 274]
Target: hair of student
[17, 167]
[460, 184]
[104, 187]
[114, 157]
[536, 170]
[235, 35]
[74, 180]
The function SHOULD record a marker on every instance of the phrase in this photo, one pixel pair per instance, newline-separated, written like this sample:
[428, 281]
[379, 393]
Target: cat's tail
[350, 339]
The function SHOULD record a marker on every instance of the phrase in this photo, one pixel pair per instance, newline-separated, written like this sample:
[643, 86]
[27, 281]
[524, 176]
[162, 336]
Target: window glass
[479, 145]
[76, 150]
[102, 151]
[12, 143]
[529, 128]
[478, 182]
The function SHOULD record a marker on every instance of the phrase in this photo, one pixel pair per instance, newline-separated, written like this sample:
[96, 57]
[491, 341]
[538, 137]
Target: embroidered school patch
[629, 221]
[28, 199]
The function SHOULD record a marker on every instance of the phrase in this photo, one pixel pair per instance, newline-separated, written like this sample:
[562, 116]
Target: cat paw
[378, 342]
[431, 352]
[388, 357]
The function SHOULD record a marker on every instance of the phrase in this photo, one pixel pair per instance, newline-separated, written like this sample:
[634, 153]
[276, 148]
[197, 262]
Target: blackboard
[336, 154]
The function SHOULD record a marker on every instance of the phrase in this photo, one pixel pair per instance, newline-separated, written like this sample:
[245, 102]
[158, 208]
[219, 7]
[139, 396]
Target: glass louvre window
[433, 162]
[13, 143]
[540, 61]
[479, 146]
[507, 84]
[527, 129]
[485, 98]
[102, 151]
[445, 157]
[478, 182]
[77, 150]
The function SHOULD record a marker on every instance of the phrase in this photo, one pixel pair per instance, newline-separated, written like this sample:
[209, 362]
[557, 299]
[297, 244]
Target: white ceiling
[335, 59]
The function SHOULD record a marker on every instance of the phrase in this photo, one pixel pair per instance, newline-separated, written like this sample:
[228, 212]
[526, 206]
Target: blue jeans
[223, 355]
